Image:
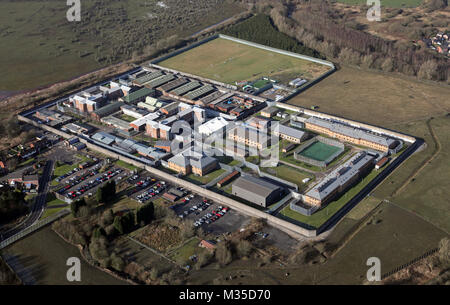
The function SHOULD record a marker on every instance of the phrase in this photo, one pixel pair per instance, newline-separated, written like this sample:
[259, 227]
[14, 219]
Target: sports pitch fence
[319, 151]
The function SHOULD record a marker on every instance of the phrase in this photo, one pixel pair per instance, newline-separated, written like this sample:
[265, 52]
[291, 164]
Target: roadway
[39, 203]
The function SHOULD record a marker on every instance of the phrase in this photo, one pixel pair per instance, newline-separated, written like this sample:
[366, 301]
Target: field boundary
[410, 263]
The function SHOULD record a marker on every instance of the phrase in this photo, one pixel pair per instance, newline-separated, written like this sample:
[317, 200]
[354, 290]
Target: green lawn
[237, 62]
[206, 178]
[319, 217]
[126, 165]
[52, 206]
[64, 169]
[290, 174]
[27, 162]
[127, 118]
[188, 249]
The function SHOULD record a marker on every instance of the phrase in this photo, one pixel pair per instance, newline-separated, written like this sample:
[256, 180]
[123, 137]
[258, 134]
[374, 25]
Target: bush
[223, 253]
[444, 252]
[243, 248]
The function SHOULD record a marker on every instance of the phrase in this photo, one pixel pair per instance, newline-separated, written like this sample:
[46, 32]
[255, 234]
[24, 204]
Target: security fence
[39, 224]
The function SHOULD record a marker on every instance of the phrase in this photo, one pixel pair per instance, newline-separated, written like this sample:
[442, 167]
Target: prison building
[160, 81]
[107, 110]
[138, 95]
[173, 85]
[185, 88]
[269, 112]
[170, 109]
[141, 81]
[339, 179]
[256, 190]
[228, 178]
[350, 134]
[202, 91]
[289, 133]
[213, 104]
[192, 162]
[211, 97]
[249, 137]
[258, 123]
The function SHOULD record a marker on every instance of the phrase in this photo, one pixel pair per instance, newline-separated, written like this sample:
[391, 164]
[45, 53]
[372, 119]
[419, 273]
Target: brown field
[375, 98]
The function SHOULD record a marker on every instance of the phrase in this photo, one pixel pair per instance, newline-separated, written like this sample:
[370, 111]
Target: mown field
[386, 3]
[228, 61]
[40, 47]
[375, 98]
[47, 264]
[427, 193]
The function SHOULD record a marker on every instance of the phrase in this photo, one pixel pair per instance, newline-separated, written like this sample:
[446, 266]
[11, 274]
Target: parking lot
[211, 216]
[87, 181]
[146, 188]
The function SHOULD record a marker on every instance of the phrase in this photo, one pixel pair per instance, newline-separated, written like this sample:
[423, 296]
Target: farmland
[40, 47]
[237, 62]
[375, 98]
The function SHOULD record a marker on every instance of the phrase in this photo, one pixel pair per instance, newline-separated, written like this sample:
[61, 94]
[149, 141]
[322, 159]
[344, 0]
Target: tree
[145, 214]
[428, 70]
[107, 192]
[117, 262]
[444, 251]
[223, 253]
[76, 205]
[387, 65]
[118, 224]
[243, 248]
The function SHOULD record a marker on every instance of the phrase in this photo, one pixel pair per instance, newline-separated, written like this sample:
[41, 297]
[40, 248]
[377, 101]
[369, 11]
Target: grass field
[43, 257]
[290, 174]
[427, 194]
[375, 98]
[386, 3]
[319, 151]
[126, 165]
[40, 47]
[237, 62]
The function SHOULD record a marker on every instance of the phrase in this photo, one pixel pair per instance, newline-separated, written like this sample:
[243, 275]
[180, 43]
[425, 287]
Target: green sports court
[319, 151]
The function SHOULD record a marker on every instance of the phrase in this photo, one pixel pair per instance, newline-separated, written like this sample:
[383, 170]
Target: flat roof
[255, 185]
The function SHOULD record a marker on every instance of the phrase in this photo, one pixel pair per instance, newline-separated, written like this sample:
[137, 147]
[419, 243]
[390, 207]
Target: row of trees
[260, 29]
[318, 26]
[12, 204]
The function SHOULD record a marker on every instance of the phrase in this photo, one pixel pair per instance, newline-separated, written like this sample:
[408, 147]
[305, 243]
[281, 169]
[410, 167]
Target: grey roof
[340, 176]
[255, 185]
[174, 84]
[350, 131]
[148, 77]
[160, 81]
[180, 160]
[202, 162]
[289, 131]
[104, 137]
[186, 88]
[211, 97]
[108, 109]
[271, 110]
[199, 92]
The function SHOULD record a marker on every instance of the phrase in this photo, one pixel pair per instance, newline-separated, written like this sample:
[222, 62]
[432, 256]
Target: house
[207, 244]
